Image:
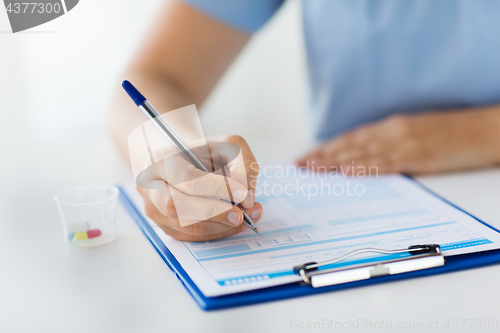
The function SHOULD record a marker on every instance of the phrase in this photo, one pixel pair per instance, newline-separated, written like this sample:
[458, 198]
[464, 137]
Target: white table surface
[48, 285]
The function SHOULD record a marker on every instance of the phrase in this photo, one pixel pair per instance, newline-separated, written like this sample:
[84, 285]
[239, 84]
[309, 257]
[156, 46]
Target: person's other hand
[415, 144]
[172, 185]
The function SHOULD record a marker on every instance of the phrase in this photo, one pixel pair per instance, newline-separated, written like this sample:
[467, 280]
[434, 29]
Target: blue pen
[167, 131]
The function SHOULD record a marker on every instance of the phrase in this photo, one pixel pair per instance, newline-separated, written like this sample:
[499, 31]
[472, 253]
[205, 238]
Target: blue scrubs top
[368, 59]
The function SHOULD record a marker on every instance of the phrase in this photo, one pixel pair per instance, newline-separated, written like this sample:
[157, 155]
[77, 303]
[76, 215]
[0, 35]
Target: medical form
[322, 217]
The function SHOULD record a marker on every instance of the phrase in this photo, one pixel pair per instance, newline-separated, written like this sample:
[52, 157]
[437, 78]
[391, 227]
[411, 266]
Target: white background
[55, 83]
[59, 76]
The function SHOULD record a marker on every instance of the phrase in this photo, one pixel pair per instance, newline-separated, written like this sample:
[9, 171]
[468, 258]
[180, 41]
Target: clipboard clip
[422, 257]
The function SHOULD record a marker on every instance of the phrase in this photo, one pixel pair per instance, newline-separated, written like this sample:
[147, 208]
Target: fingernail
[256, 214]
[233, 217]
[239, 195]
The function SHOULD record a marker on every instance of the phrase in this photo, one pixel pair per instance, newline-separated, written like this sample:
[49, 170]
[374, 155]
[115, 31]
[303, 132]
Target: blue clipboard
[453, 263]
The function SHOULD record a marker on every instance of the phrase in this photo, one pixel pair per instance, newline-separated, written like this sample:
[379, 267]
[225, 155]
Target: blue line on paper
[222, 250]
[377, 217]
[253, 278]
[264, 233]
[323, 241]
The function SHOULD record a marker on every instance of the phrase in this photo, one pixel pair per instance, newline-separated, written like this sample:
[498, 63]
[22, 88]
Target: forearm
[178, 64]
[123, 116]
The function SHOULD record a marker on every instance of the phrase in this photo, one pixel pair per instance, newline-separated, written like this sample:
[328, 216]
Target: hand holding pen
[206, 202]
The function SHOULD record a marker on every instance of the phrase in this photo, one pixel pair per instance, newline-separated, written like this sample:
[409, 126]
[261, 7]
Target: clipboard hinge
[422, 257]
[426, 248]
[302, 270]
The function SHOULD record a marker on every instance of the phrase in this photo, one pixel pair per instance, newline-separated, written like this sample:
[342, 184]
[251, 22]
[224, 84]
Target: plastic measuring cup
[88, 214]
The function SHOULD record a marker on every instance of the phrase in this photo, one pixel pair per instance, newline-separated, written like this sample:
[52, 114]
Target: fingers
[202, 231]
[185, 177]
[243, 168]
[399, 162]
[249, 201]
[381, 164]
[246, 166]
[230, 156]
[181, 236]
[186, 201]
[234, 217]
[383, 161]
[208, 228]
[188, 209]
[365, 141]
[369, 142]
[372, 140]
[362, 152]
[312, 158]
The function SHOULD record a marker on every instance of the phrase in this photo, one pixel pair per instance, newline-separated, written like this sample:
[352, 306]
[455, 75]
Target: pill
[70, 236]
[87, 234]
[78, 227]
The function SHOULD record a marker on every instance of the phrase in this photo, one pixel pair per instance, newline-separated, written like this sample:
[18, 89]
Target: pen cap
[133, 93]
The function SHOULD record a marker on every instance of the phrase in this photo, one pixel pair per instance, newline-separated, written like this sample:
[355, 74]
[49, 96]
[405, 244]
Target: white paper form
[316, 219]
